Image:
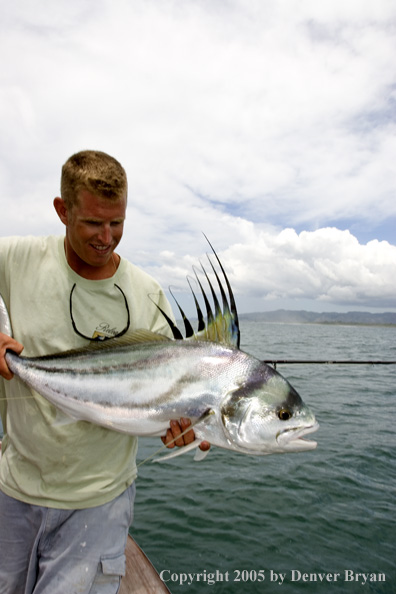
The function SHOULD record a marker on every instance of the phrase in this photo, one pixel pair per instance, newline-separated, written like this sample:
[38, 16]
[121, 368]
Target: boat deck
[141, 576]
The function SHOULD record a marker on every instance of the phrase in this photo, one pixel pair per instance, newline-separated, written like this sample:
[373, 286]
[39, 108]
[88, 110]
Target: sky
[269, 126]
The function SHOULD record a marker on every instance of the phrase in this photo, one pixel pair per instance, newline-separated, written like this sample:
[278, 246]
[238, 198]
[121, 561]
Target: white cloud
[326, 268]
[326, 265]
[234, 118]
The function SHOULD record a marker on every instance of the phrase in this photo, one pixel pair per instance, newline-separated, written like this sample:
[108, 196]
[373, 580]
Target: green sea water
[320, 521]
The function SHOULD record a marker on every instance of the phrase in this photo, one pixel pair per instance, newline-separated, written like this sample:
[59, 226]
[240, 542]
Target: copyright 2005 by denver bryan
[245, 576]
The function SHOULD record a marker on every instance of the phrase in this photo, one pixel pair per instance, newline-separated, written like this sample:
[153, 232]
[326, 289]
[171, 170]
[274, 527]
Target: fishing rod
[275, 362]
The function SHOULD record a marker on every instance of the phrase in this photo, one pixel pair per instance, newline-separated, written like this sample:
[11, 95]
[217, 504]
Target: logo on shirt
[103, 329]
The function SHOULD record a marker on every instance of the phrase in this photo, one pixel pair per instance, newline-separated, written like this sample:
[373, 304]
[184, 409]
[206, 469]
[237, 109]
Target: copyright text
[252, 576]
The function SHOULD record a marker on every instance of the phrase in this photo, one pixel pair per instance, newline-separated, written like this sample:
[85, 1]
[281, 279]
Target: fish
[137, 384]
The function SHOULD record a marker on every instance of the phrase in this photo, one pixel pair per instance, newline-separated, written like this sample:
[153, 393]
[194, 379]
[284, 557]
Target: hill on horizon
[311, 317]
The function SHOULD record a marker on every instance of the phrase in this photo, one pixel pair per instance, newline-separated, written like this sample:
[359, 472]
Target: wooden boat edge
[141, 577]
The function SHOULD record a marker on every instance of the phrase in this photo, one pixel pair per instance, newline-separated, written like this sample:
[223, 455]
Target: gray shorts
[54, 551]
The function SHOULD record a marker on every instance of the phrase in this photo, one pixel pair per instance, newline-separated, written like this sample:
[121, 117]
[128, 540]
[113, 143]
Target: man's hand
[173, 435]
[7, 343]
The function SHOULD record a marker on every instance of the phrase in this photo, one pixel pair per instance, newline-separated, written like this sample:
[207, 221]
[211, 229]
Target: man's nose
[105, 234]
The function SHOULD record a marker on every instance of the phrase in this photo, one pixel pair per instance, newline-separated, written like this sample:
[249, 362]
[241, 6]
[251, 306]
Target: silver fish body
[234, 400]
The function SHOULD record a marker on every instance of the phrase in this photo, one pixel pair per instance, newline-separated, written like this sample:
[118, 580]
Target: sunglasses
[99, 338]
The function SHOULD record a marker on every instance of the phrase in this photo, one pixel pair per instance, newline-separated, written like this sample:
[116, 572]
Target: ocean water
[319, 521]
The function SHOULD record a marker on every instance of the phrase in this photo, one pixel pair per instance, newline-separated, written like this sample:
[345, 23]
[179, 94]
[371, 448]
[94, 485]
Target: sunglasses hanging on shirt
[99, 337]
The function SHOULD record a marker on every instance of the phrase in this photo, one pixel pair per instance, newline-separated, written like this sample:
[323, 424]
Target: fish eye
[284, 414]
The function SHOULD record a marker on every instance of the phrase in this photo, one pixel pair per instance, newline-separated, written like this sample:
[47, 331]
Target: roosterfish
[137, 384]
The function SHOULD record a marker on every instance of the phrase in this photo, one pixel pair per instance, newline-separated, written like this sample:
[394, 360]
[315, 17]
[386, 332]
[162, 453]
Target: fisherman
[67, 489]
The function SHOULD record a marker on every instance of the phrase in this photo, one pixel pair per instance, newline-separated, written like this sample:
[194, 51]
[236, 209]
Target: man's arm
[7, 343]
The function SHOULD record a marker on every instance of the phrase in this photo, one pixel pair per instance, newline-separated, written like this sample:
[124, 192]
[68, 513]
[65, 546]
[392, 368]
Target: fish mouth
[293, 438]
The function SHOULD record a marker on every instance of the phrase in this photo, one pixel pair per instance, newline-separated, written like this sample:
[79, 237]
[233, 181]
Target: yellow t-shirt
[75, 465]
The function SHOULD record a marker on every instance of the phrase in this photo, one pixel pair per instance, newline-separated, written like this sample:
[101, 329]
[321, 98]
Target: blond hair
[97, 172]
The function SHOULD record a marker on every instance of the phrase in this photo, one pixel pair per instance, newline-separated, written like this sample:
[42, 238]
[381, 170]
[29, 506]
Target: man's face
[94, 228]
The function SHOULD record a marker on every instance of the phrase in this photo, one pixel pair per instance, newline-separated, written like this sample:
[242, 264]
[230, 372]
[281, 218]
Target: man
[67, 490]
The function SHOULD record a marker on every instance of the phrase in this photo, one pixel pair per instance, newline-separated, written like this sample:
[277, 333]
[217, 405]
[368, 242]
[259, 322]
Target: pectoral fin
[184, 450]
[200, 455]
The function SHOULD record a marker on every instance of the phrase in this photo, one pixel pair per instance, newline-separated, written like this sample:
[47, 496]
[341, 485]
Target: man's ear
[61, 210]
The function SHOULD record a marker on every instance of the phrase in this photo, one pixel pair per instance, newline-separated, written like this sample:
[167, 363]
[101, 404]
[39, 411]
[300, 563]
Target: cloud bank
[325, 269]
[270, 126]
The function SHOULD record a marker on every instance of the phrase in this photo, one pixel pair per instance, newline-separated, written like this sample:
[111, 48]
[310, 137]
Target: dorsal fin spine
[209, 313]
[187, 325]
[201, 320]
[234, 313]
[222, 326]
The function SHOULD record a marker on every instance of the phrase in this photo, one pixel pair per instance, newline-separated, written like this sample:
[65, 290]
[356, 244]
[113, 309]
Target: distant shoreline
[284, 316]
[353, 318]
[241, 317]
